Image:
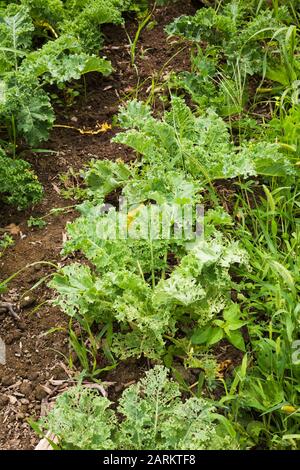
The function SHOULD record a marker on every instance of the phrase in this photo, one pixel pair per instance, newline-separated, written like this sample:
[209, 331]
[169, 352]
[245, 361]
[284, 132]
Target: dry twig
[7, 307]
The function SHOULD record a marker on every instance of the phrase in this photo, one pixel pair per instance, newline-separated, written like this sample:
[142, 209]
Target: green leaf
[35, 117]
[18, 183]
[278, 74]
[97, 64]
[153, 415]
[254, 428]
[236, 338]
[209, 336]
[232, 313]
[16, 29]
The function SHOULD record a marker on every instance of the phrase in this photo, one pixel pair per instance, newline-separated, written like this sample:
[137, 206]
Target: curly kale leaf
[205, 25]
[184, 141]
[35, 117]
[104, 176]
[18, 183]
[61, 61]
[16, 30]
[84, 20]
[121, 290]
[200, 286]
[81, 419]
[152, 416]
[42, 11]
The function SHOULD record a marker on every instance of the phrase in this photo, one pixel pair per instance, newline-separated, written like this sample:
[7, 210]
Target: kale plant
[199, 146]
[151, 415]
[68, 39]
[132, 282]
[18, 183]
[25, 106]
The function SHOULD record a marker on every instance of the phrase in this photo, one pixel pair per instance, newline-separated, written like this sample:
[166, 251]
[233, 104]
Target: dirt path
[35, 368]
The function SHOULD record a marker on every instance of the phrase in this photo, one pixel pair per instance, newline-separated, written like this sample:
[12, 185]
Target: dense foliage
[152, 413]
[44, 43]
[177, 301]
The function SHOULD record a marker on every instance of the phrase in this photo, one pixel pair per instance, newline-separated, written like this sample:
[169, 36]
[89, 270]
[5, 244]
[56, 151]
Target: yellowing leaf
[132, 214]
[288, 409]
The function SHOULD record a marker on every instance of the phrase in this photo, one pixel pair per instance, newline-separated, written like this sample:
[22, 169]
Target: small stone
[7, 381]
[40, 393]
[27, 301]
[59, 373]
[24, 408]
[119, 388]
[12, 399]
[15, 336]
[24, 401]
[21, 325]
[25, 388]
[3, 400]
[33, 376]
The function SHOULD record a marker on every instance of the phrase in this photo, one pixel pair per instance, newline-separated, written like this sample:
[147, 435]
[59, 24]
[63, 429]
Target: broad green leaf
[236, 338]
[210, 336]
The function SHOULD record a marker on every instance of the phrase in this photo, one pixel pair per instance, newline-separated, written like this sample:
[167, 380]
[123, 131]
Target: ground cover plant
[183, 259]
[237, 47]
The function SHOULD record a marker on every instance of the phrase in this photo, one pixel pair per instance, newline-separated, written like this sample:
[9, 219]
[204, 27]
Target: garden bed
[35, 359]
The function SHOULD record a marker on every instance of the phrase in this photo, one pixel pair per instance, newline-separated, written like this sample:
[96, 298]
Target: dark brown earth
[36, 365]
